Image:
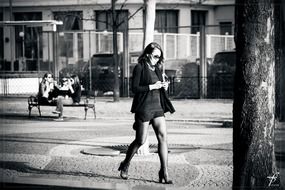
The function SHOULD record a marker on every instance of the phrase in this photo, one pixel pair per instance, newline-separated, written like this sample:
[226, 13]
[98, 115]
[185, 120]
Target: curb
[192, 121]
[38, 182]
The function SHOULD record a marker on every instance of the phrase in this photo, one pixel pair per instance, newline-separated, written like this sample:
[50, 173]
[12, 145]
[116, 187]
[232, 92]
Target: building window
[198, 18]
[72, 20]
[226, 28]
[28, 47]
[166, 21]
[69, 41]
[104, 20]
[104, 43]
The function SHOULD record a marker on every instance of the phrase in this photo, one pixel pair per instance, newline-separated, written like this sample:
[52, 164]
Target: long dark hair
[144, 57]
[45, 76]
[76, 80]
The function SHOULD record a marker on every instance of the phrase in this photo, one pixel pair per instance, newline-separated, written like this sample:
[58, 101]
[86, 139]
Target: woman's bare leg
[159, 126]
[141, 134]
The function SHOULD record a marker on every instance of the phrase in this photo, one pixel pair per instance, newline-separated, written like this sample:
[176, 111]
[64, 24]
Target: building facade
[30, 48]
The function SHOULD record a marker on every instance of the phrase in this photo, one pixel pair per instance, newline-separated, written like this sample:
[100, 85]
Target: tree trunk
[254, 97]
[116, 92]
[149, 21]
[148, 38]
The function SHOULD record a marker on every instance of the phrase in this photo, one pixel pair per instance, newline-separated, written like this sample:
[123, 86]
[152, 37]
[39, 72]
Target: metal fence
[220, 87]
[67, 52]
[179, 88]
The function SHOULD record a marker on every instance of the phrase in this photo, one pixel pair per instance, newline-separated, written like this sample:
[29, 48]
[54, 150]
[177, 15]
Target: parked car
[102, 74]
[221, 75]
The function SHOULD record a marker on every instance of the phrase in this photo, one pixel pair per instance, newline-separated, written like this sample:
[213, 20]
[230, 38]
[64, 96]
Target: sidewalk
[199, 158]
[190, 166]
[200, 153]
[186, 109]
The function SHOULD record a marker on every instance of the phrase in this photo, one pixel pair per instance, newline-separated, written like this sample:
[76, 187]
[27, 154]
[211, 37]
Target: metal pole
[90, 63]
[11, 9]
[23, 49]
[54, 47]
[11, 34]
[49, 66]
[203, 73]
[38, 54]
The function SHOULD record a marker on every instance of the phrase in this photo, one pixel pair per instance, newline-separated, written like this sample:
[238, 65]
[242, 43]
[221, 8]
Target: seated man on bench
[68, 93]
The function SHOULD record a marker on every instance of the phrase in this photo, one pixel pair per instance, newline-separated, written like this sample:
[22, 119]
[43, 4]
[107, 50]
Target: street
[54, 150]
[86, 153]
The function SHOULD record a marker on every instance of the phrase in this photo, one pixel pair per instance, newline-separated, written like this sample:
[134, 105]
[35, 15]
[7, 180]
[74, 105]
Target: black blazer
[140, 87]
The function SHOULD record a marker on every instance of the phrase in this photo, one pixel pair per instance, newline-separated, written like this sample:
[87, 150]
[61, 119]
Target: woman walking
[149, 105]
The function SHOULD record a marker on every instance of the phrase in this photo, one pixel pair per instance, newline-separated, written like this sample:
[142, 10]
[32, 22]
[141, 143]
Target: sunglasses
[156, 56]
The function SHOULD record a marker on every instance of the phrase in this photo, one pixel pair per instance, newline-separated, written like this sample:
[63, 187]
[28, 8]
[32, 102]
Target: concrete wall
[224, 14]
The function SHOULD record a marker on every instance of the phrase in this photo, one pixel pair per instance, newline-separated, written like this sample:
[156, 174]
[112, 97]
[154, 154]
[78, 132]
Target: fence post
[54, 55]
[209, 45]
[203, 66]
[226, 40]
[164, 43]
[90, 62]
[197, 43]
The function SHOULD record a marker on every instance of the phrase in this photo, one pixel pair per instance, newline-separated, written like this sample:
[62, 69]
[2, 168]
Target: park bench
[87, 104]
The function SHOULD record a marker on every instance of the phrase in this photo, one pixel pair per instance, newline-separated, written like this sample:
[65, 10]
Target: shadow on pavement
[172, 148]
[20, 116]
[25, 117]
[38, 140]
[23, 167]
[37, 180]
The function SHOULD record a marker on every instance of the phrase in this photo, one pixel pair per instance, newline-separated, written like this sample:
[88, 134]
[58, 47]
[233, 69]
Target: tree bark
[148, 38]
[150, 6]
[254, 98]
[116, 91]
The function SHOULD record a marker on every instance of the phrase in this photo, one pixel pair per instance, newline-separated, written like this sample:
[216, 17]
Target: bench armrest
[33, 100]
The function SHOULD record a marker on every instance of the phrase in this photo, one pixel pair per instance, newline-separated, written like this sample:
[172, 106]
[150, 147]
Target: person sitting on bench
[69, 93]
[47, 90]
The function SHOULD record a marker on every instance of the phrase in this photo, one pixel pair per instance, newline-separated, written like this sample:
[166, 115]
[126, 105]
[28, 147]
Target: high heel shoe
[124, 170]
[164, 176]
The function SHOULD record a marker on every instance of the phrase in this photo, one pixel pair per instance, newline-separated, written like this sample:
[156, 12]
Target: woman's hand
[156, 85]
[165, 85]
[70, 87]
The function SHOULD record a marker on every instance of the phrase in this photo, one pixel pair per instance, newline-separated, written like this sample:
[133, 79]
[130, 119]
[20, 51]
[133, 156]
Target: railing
[190, 87]
[180, 87]
[74, 47]
[77, 48]
[184, 46]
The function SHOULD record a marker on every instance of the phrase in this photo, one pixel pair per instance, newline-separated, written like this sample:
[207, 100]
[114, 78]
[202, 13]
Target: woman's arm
[136, 80]
[44, 90]
[41, 88]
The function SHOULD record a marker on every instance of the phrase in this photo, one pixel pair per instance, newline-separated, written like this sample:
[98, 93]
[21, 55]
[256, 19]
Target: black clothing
[148, 116]
[77, 93]
[140, 86]
[152, 101]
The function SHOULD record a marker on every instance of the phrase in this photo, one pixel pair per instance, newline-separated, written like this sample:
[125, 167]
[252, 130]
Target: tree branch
[131, 16]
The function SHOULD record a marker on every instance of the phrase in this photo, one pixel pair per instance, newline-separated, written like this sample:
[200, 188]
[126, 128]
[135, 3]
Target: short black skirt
[145, 117]
[148, 116]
